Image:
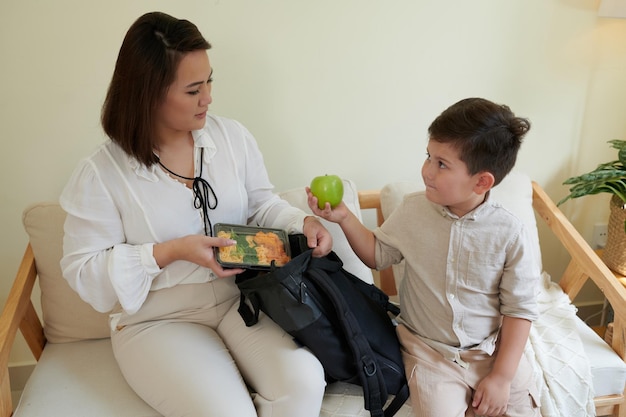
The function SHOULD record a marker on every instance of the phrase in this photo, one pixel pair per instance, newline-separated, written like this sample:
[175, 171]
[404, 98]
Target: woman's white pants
[187, 352]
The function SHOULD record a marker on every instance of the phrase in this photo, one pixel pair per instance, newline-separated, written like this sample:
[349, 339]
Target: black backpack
[344, 321]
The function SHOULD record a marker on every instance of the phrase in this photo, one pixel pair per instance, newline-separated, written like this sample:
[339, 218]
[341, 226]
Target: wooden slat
[605, 405]
[573, 279]
[586, 264]
[369, 199]
[388, 282]
[32, 330]
[17, 305]
[581, 253]
[6, 406]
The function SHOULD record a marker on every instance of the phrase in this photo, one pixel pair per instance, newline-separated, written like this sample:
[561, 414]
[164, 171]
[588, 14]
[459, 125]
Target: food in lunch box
[260, 248]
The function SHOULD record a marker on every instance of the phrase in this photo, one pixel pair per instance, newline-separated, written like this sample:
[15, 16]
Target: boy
[468, 294]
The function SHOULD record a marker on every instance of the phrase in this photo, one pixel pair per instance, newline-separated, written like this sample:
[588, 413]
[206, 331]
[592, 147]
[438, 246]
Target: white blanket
[556, 352]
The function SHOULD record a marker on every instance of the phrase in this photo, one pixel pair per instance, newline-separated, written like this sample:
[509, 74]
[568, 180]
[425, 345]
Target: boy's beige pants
[442, 388]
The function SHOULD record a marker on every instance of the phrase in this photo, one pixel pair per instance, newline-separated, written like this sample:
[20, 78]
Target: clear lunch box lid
[256, 248]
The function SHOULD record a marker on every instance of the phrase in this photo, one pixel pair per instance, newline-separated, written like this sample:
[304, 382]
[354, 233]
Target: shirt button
[451, 296]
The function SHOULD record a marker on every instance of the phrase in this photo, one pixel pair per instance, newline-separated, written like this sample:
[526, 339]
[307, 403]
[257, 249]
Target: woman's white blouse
[117, 209]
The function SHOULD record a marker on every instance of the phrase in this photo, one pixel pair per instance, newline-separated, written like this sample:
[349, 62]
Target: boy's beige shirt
[462, 274]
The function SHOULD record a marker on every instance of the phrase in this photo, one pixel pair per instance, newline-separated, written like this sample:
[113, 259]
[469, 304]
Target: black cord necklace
[204, 195]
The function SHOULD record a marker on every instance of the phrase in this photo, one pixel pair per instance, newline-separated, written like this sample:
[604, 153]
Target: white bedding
[556, 351]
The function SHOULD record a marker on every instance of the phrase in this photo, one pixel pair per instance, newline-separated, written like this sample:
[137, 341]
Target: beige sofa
[76, 374]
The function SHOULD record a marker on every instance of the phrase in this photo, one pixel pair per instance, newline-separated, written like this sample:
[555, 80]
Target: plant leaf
[608, 177]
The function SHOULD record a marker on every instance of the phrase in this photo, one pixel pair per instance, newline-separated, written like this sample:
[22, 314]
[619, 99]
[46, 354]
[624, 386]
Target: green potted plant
[609, 178]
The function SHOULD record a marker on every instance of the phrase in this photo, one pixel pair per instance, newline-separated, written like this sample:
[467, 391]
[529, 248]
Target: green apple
[327, 188]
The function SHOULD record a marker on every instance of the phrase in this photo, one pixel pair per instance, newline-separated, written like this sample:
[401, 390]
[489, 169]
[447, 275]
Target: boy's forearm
[361, 239]
[511, 344]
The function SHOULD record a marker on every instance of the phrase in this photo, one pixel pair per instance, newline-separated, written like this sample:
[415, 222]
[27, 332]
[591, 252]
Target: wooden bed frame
[19, 312]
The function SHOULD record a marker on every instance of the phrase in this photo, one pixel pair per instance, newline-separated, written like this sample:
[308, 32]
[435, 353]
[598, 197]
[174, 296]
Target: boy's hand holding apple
[325, 196]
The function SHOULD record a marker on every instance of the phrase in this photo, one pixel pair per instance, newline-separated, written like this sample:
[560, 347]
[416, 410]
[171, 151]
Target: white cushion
[345, 400]
[297, 197]
[608, 371]
[67, 318]
[82, 379]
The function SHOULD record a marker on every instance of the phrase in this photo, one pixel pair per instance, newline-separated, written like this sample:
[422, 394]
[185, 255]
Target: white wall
[327, 86]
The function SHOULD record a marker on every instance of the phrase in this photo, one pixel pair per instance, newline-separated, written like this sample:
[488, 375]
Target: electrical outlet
[599, 235]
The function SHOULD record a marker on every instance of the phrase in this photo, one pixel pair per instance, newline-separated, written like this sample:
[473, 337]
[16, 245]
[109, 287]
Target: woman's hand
[197, 249]
[317, 236]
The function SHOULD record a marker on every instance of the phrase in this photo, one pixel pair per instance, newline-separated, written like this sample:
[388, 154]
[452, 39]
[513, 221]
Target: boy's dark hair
[146, 67]
[487, 135]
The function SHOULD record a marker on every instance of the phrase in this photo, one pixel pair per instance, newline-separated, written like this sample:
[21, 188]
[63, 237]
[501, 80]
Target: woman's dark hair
[146, 67]
[487, 135]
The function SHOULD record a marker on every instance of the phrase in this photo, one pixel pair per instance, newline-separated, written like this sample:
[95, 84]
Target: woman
[138, 238]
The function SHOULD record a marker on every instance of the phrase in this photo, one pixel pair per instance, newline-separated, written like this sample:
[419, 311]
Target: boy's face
[448, 182]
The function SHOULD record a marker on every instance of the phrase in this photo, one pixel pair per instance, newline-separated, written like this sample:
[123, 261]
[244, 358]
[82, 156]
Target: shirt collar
[201, 139]
[148, 173]
[472, 215]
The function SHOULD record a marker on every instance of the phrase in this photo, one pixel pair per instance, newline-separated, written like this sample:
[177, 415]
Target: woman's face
[187, 102]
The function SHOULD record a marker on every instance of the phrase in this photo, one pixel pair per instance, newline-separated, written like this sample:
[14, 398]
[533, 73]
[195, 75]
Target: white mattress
[608, 371]
[82, 379]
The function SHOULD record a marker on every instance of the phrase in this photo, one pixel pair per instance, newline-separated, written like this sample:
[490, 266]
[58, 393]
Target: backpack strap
[372, 381]
[401, 396]
[249, 313]
[332, 262]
